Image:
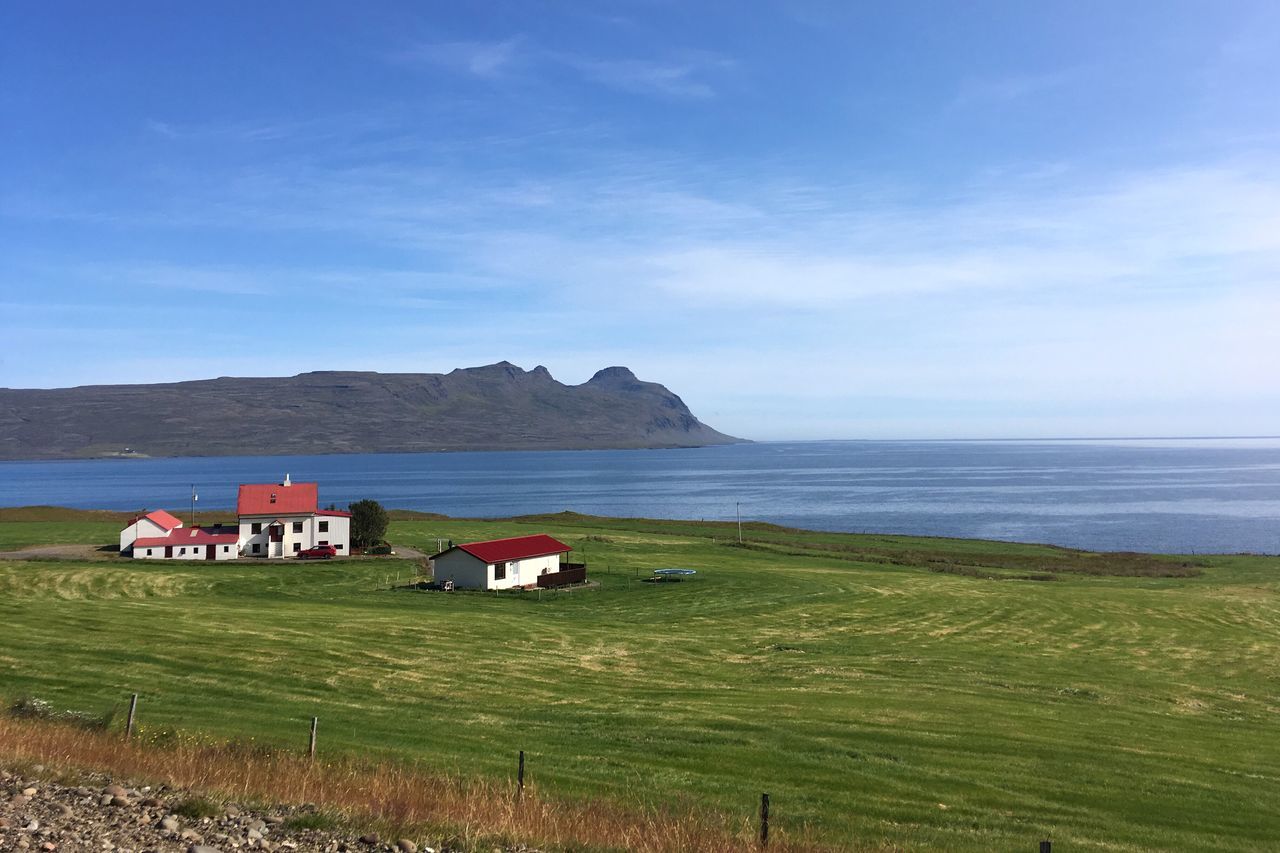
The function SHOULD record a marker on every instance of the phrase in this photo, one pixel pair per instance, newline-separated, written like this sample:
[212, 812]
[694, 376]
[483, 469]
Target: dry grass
[399, 799]
[1050, 559]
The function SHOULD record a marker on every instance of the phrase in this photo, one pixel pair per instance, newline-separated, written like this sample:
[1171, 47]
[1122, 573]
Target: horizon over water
[1174, 495]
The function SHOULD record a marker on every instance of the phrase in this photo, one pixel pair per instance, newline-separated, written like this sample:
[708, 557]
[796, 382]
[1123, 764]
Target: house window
[297, 546]
[257, 528]
[226, 548]
[324, 541]
[297, 527]
[181, 551]
[324, 527]
[499, 571]
[148, 552]
[338, 547]
[257, 547]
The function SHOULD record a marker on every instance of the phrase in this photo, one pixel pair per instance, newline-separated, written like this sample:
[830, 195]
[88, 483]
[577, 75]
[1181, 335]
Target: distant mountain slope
[498, 407]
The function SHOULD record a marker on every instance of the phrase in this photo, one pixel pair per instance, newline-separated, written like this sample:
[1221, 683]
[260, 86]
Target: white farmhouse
[276, 520]
[150, 525]
[281, 519]
[500, 563]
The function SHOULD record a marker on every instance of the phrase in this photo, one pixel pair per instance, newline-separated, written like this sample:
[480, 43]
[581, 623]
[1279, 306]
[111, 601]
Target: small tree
[368, 523]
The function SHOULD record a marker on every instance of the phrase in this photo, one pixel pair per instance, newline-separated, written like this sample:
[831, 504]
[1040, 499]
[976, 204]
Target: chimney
[286, 481]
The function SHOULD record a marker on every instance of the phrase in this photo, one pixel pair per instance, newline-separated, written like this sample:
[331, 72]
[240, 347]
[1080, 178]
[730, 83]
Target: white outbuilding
[501, 563]
[148, 526]
[189, 543]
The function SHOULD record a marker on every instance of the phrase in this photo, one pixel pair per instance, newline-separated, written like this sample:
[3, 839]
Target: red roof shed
[515, 548]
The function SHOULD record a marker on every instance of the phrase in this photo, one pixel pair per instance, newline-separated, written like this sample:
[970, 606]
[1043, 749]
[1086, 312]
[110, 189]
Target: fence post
[1046, 847]
[133, 712]
[311, 748]
[520, 778]
[764, 820]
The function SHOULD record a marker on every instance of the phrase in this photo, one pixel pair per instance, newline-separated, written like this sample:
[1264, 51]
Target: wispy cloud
[686, 74]
[487, 59]
[1166, 234]
[162, 128]
[977, 91]
[684, 79]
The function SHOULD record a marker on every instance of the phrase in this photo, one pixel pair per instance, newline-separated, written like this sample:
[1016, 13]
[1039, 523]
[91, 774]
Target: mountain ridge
[492, 407]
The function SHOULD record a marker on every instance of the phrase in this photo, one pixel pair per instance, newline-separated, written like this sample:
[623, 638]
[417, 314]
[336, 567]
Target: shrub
[313, 820]
[32, 708]
[194, 808]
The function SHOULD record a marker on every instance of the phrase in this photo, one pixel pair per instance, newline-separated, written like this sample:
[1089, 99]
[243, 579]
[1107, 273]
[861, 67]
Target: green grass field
[924, 692]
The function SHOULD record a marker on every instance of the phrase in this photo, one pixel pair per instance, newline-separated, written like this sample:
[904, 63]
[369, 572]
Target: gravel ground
[99, 815]
[94, 552]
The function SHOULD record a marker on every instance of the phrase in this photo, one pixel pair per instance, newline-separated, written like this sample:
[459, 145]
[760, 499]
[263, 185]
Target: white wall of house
[222, 551]
[337, 534]
[468, 572]
[299, 533]
[143, 528]
[464, 570]
[254, 543]
[525, 572]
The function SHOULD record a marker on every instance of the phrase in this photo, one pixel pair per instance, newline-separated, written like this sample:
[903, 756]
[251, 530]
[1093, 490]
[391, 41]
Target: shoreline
[62, 514]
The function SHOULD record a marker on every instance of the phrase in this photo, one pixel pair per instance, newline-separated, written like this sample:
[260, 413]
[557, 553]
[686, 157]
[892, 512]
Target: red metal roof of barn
[275, 499]
[188, 536]
[165, 520]
[515, 548]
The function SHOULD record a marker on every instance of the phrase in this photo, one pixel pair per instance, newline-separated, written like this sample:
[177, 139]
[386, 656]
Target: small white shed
[148, 526]
[500, 563]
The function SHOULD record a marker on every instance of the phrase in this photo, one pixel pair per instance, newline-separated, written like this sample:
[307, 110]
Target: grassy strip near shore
[928, 693]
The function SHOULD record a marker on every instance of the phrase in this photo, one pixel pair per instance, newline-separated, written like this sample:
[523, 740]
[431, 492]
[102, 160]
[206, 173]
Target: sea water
[1178, 496]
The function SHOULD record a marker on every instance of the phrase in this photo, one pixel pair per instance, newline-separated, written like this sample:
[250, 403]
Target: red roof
[188, 536]
[275, 499]
[335, 512]
[515, 548]
[160, 517]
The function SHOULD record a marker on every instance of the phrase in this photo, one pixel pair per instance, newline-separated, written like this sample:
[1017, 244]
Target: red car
[320, 552]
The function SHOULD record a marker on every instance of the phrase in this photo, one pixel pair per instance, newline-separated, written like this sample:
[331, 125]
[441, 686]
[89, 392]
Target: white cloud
[1192, 229]
[645, 77]
[487, 59]
[162, 128]
[682, 76]
[1013, 87]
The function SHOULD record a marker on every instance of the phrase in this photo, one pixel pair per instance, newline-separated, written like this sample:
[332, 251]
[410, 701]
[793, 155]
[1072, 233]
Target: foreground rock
[104, 816]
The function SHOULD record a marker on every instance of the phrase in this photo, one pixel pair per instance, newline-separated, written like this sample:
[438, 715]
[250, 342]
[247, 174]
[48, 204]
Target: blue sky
[811, 220]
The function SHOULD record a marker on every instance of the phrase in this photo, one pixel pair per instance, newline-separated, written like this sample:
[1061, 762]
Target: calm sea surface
[1152, 495]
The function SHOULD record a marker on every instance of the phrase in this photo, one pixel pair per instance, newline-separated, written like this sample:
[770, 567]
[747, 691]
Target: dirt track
[93, 552]
[60, 552]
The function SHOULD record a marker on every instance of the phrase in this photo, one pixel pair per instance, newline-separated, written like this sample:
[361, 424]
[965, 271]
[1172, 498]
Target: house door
[209, 552]
[277, 540]
[168, 552]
